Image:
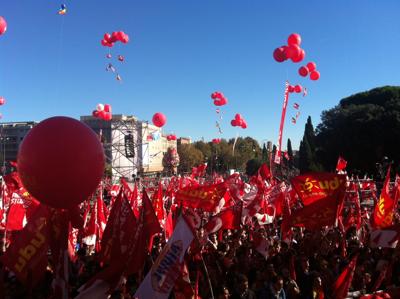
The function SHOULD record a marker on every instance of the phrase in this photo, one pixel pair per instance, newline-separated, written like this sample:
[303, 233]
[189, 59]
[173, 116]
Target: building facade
[11, 136]
[132, 147]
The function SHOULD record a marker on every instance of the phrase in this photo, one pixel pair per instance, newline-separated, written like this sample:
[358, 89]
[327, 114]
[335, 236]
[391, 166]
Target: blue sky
[181, 51]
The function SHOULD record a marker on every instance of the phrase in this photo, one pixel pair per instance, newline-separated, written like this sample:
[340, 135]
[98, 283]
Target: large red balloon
[279, 54]
[61, 162]
[298, 88]
[2, 101]
[312, 66]
[159, 119]
[294, 39]
[303, 71]
[314, 75]
[3, 25]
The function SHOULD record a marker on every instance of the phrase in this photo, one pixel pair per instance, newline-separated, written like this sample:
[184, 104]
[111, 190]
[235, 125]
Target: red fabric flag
[135, 201]
[27, 255]
[315, 186]
[352, 199]
[341, 164]
[264, 172]
[161, 278]
[169, 226]
[58, 232]
[90, 229]
[16, 214]
[148, 226]
[158, 204]
[323, 194]
[183, 288]
[206, 197]
[343, 282]
[229, 218]
[120, 228]
[384, 209]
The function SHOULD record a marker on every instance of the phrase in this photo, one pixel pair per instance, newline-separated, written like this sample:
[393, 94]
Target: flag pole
[208, 276]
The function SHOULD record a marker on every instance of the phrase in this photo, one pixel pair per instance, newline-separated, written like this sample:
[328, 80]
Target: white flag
[160, 280]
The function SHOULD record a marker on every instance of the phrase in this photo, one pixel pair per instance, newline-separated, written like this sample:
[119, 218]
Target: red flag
[16, 214]
[90, 228]
[169, 226]
[58, 237]
[161, 278]
[27, 255]
[183, 288]
[341, 164]
[384, 209]
[315, 186]
[148, 226]
[343, 282]
[229, 218]
[158, 204]
[206, 197]
[120, 228]
[264, 171]
[323, 193]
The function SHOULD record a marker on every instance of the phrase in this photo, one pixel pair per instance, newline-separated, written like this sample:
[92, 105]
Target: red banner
[27, 255]
[279, 145]
[322, 195]
[315, 186]
[204, 197]
[383, 213]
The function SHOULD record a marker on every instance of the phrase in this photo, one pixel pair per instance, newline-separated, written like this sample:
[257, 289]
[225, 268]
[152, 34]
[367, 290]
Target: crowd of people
[233, 263]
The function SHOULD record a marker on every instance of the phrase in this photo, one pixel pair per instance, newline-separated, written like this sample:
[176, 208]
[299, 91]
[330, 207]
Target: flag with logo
[161, 278]
[384, 209]
[206, 197]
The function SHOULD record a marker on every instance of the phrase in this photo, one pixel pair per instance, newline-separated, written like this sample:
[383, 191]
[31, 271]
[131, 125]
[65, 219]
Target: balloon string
[59, 54]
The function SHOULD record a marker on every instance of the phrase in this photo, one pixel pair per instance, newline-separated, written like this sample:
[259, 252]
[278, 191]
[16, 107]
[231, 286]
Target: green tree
[363, 128]
[307, 150]
[189, 156]
[289, 149]
[252, 166]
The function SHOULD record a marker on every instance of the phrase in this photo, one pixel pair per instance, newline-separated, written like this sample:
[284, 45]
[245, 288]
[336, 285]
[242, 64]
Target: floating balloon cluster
[171, 137]
[3, 25]
[110, 39]
[159, 119]
[239, 121]
[216, 140]
[103, 112]
[290, 51]
[295, 88]
[310, 68]
[219, 98]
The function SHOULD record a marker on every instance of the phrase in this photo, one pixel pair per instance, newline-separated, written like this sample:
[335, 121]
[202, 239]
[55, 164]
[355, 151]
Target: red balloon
[61, 162]
[107, 37]
[120, 35]
[107, 108]
[107, 116]
[102, 114]
[2, 101]
[290, 88]
[299, 57]
[244, 124]
[159, 119]
[294, 39]
[279, 54]
[314, 75]
[298, 88]
[95, 113]
[114, 37]
[3, 25]
[233, 123]
[312, 66]
[293, 51]
[106, 43]
[238, 117]
[303, 71]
